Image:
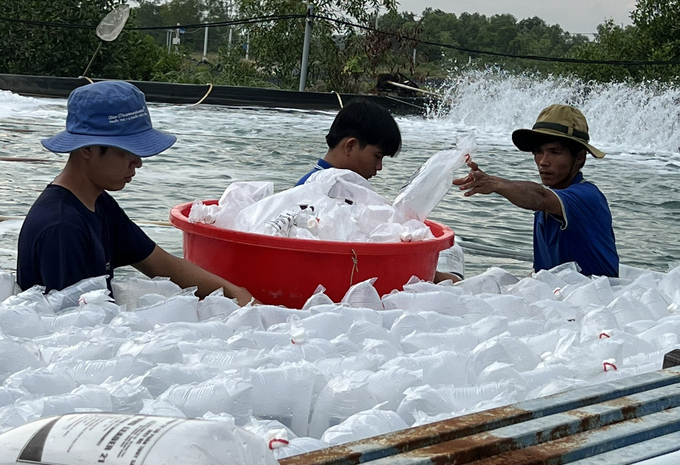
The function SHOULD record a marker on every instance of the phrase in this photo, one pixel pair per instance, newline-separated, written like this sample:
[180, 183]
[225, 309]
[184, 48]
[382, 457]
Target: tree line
[353, 41]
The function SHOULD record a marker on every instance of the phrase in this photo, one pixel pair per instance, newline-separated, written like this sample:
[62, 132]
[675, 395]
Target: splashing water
[638, 118]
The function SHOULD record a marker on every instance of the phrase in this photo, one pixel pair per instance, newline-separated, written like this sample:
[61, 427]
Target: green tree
[659, 22]
[65, 51]
[654, 36]
[165, 15]
[148, 14]
[185, 12]
[500, 34]
[612, 43]
[276, 46]
[390, 49]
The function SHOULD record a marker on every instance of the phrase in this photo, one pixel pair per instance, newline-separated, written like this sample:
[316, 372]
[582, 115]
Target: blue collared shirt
[321, 164]
[583, 235]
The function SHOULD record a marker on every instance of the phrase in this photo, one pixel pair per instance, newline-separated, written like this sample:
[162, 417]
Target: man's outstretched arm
[524, 194]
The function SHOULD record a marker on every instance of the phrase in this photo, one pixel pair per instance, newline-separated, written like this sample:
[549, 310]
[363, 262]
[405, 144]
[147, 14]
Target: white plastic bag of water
[114, 439]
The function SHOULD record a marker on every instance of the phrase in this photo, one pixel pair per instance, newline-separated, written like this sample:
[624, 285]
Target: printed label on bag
[96, 438]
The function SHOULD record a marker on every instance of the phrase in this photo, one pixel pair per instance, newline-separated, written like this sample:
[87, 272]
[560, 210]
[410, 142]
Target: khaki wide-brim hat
[560, 121]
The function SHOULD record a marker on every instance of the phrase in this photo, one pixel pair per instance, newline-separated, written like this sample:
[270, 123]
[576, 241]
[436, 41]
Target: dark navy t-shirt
[62, 242]
[584, 235]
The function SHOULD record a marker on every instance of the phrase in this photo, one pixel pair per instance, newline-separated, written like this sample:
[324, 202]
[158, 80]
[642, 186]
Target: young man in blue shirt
[75, 229]
[361, 135]
[572, 221]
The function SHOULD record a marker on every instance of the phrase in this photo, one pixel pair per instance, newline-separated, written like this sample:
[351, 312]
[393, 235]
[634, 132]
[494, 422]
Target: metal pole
[92, 59]
[247, 43]
[231, 28]
[305, 49]
[205, 45]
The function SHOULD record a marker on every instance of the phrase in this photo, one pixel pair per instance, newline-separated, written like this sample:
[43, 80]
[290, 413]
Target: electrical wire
[504, 55]
[235, 22]
[264, 19]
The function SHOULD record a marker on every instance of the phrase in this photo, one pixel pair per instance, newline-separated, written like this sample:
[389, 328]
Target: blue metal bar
[527, 435]
[591, 443]
[400, 442]
[636, 452]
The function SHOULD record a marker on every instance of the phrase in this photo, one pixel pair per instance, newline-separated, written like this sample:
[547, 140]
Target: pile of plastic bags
[331, 372]
[337, 205]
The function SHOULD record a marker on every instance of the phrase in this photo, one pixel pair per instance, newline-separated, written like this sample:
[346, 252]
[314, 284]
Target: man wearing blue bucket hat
[75, 229]
[572, 220]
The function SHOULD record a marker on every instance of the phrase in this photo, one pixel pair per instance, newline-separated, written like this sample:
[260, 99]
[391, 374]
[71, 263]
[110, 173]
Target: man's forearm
[524, 194]
[528, 195]
[186, 274]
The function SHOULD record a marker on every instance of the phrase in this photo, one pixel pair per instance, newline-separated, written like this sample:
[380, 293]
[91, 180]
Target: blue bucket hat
[112, 114]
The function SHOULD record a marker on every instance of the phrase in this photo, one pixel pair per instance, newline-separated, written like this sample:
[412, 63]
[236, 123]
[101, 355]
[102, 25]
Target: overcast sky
[572, 15]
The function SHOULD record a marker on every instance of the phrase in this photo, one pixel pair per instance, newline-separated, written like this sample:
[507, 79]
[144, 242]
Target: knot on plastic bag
[277, 438]
[547, 356]
[202, 213]
[298, 334]
[604, 335]
[276, 443]
[98, 296]
[609, 364]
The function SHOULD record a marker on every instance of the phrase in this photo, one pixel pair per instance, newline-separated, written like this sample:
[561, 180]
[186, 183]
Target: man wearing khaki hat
[572, 222]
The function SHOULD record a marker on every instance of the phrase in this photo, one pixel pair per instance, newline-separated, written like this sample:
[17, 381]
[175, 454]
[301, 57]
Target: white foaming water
[623, 118]
[12, 105]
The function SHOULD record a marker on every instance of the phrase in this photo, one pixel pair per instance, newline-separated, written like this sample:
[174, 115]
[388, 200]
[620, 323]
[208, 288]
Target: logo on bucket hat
[556, 121]
[112, 114]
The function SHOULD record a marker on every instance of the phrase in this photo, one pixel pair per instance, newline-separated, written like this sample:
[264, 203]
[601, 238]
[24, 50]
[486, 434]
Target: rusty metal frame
[561, 428]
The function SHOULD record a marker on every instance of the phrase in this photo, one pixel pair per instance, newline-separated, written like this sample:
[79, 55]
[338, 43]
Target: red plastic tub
[286, 271]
